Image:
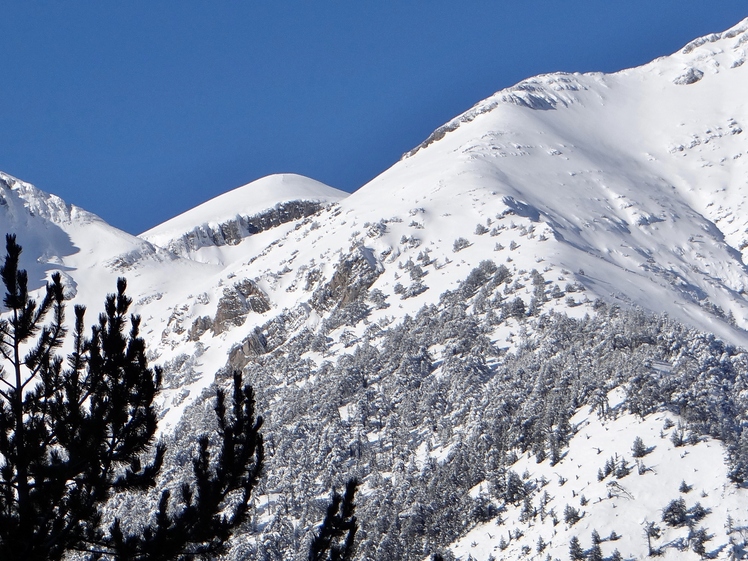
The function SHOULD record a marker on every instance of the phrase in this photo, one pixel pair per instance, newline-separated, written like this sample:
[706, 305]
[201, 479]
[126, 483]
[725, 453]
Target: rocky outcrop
[236, 303]
[254, 344]
[351, 281]
[269, 337]
[353, 276]
[234, 231]
[199, 326]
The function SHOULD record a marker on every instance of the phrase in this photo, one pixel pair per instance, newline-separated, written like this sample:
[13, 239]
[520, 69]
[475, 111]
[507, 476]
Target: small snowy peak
[56, 235]
[38, 203]
[248, 200]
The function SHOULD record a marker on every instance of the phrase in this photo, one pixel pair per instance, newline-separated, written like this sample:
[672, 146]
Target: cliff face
[232, 232]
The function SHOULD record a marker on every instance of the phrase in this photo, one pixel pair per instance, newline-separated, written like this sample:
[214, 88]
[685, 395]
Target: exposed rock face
[236, 303]
[351, 281]
[352, 278]
[253, 345]
[233, 231]
[199, 326]
[267, 338]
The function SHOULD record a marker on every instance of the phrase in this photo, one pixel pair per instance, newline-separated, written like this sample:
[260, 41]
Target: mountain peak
[40, 203]
[230, 217]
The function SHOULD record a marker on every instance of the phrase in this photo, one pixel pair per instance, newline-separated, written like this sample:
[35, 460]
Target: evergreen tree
[638, 449]
[652, 532]
[698, 538]
[576, 553]
[72, 437]
[334, 541]
[675, 513]
[595, 552]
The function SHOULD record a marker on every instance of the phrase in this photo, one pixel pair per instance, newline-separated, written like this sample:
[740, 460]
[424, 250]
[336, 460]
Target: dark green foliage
[335, 539]
[684, 487]
[515, 488]
[677, 437]
[638, 449]
[540, 545]
[515, 309]
[697, 513]
[697, 539]
[623, 469]
[71, 437]
[503, 544]
[675, 513]
[497, 403]
[576, 553]
[479, 276]
[528, 512]
[595, 553]
[610, 466]
[571, 515]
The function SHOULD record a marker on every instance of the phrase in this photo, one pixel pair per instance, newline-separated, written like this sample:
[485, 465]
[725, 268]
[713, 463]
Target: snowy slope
[639, 176]
[622, 502]
[628, 184]
[59, 236]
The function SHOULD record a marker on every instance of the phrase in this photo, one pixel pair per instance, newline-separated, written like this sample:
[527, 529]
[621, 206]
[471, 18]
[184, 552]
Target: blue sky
[138, 111]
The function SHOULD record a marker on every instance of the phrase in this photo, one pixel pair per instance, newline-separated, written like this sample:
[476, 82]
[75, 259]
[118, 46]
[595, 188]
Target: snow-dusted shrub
[571, 515]
[460, 244]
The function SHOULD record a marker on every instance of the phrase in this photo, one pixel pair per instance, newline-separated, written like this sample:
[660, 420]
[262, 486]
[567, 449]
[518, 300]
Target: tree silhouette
[74, 435]
[334, 540]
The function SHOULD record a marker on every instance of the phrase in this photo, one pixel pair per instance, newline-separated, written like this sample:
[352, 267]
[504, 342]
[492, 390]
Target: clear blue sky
[138, 110]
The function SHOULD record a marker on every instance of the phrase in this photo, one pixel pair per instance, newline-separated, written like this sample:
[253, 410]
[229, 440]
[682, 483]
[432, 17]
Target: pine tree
[698, 538]
[71, 437]
[335, 539]
[576, 553]
[675, 513]
[638, 449]
[652, 532]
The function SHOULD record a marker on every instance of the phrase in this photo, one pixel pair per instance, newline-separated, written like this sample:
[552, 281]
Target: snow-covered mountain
[565, 194]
